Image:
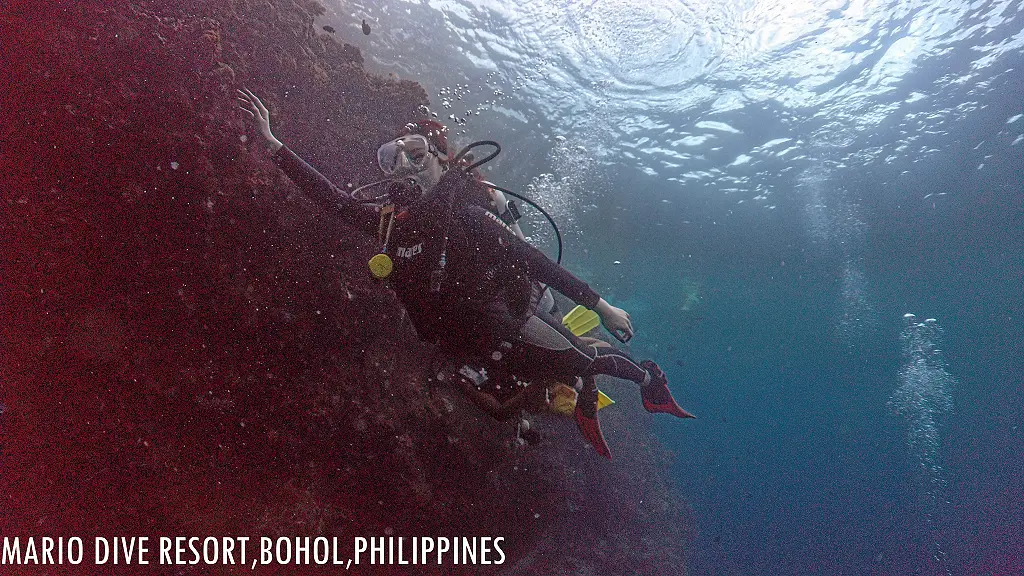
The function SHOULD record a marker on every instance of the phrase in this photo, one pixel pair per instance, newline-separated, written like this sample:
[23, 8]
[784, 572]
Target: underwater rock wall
[191, 348]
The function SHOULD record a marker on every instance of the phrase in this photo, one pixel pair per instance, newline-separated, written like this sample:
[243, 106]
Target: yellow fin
[581, 320]
[603, 400]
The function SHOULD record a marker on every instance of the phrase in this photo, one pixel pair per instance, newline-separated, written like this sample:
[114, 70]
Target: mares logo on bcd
[411, 251]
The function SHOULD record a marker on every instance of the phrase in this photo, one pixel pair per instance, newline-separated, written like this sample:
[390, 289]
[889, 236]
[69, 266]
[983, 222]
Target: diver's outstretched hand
[249, 103]
[616, 320]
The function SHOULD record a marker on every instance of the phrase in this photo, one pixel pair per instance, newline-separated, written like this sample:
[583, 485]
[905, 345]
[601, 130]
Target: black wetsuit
[486, 305]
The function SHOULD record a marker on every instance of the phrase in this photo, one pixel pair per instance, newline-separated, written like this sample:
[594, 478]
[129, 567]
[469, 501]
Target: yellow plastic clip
[381, 264]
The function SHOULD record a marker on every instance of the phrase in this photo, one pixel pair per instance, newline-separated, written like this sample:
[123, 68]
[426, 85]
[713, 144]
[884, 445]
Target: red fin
[667, 408]
[591, 430]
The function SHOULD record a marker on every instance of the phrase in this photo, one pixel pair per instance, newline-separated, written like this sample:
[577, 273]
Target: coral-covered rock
[191, 348]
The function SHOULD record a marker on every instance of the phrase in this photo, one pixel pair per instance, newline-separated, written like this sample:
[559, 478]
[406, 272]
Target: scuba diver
[467, 281]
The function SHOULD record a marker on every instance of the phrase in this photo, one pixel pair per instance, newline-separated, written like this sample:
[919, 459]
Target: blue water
[769, 188]
[800, 465]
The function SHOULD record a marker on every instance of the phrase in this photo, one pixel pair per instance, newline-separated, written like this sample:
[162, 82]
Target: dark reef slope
[190, 348]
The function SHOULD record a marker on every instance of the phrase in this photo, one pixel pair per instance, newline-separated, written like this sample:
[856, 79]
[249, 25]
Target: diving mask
[405, 155]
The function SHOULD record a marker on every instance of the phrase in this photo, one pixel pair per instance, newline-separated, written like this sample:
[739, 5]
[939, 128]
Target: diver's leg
[614, 362]
[547, 302]
[652, 380]
[549, 344]
[545, 344]
[547, 349]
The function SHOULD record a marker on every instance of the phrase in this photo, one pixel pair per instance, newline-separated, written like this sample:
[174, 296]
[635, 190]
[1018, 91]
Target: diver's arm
[494, 233]
[314, 184]
[547, 271]
[615, 320]
[543, 269]
[248, 102]
[322, 192]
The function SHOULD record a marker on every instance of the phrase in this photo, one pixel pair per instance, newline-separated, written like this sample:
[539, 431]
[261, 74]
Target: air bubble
[923, 397]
